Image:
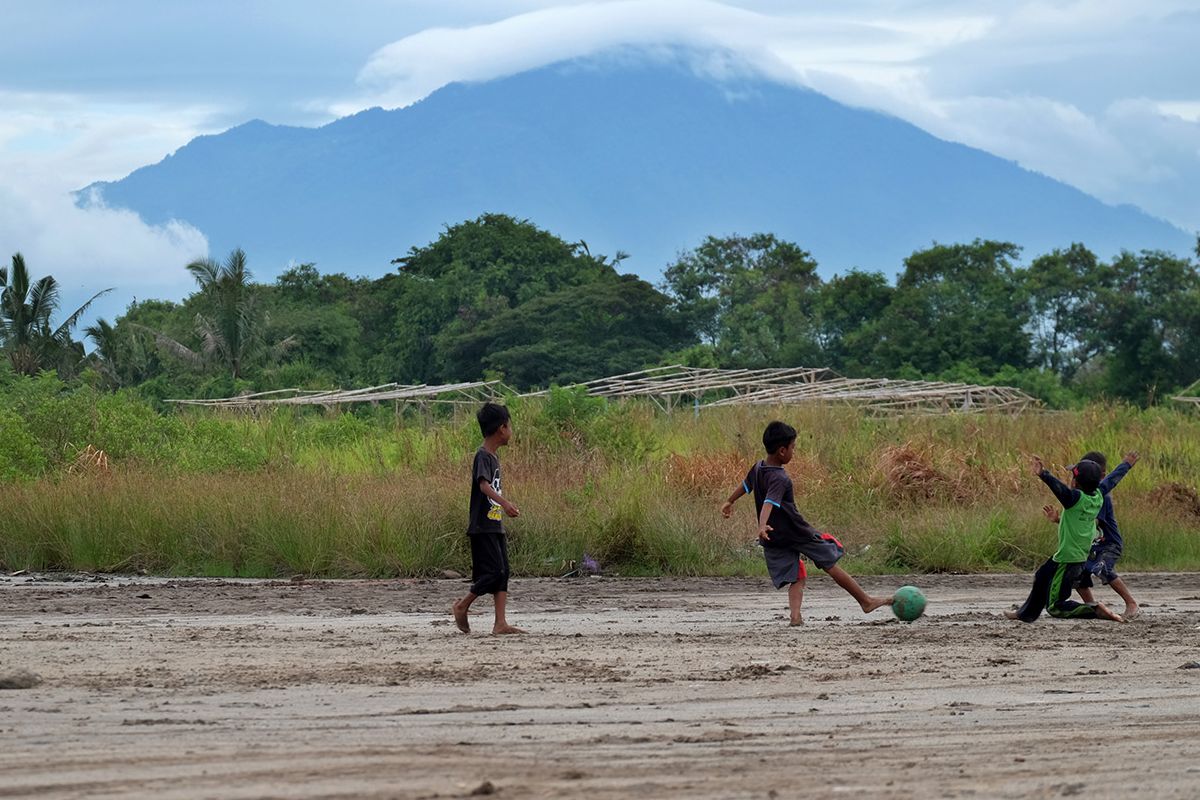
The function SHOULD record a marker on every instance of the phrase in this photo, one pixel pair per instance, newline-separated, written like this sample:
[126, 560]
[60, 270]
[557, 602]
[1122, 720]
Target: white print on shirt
[494, 510]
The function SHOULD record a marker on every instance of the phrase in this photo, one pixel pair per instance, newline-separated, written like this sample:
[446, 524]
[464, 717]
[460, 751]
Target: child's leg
[460, 609]
[1086, 595]
[795, 599]
[1033, 606]
[1131, 606]
[1059, 603]
[868, 602]
[502, 625]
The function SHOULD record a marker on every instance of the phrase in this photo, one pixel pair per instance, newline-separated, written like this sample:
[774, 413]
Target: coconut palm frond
[43, 299]
[212, 342]
[64, 330]
[206, 272]
[278, 350]
[235, 269]
[170, 346]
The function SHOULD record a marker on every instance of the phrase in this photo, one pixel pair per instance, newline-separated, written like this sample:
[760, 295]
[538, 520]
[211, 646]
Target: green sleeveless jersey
[1077, 528]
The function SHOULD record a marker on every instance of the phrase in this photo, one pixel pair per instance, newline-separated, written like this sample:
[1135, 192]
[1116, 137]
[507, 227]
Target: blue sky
[1103, 95]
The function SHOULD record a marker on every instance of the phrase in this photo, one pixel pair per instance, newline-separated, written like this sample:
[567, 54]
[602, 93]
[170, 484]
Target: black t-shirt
[486, 515]
[770, 484]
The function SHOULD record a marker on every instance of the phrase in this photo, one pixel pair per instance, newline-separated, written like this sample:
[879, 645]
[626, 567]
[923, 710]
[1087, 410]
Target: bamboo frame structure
[472, 393]
[1189, 395]
[669, 387]
[881, 395]
[709, 388]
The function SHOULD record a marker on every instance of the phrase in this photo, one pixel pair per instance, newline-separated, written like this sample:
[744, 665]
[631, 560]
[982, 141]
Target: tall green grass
[383, 492]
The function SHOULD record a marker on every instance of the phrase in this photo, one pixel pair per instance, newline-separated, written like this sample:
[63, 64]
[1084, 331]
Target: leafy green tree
[231, 333]
[848, 310]
[27, 335]
[750, 297]
[956, 304]
[610, 326]
[474, 271]
[321, 312]
[1148, 318]
[1061, 287]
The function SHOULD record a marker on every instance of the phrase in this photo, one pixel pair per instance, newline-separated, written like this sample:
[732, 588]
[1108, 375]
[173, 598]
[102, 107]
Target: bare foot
[500, 629]
[460, 618]
[1011, 613]
[1104, 612]
[797, 620]
[874, 603]
[1131, 612]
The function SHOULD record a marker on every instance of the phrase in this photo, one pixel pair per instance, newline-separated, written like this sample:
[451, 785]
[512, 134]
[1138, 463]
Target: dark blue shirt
[1106, 521]
[771, 485]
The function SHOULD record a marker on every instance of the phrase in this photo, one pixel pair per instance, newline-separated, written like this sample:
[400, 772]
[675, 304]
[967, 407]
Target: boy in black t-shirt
[489, 548]
[785, 536]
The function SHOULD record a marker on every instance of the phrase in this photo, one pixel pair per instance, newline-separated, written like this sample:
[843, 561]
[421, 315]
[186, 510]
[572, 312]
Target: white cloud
[48, 149]
[1025, 81]
[781, 46]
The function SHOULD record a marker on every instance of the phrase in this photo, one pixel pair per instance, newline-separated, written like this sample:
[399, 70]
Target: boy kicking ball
[785, 536]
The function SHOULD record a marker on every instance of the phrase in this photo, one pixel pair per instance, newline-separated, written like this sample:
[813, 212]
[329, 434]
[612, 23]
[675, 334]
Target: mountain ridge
[645, 158]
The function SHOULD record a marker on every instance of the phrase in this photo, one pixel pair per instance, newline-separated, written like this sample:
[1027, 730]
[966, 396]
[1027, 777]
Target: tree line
[498, 297]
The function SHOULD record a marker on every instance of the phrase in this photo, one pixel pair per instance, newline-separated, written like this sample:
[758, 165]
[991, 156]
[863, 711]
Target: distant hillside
[645, 159]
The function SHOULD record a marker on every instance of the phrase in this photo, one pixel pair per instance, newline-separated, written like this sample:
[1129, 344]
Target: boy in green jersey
[1055, 580]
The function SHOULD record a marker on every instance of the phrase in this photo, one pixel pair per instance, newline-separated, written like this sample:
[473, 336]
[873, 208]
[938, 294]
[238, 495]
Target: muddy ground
[624, 688]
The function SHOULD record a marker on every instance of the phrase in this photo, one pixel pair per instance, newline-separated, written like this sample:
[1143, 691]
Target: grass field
[377, 493]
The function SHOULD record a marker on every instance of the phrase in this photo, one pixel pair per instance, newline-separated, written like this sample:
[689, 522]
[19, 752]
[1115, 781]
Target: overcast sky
[1103, 95]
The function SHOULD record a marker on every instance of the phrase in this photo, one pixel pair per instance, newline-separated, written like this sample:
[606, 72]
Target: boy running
[785, 536]
[489, 547]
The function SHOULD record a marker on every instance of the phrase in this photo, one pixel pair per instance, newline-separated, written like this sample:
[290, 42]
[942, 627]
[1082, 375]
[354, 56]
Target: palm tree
[26, 307]
[232, 335]
[105, 357]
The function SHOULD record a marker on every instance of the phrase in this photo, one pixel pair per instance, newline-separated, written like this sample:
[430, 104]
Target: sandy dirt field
[624, 688]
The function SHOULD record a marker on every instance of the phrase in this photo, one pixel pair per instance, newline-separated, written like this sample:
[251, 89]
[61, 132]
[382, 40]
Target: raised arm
[1120, 471]
[1065, 494]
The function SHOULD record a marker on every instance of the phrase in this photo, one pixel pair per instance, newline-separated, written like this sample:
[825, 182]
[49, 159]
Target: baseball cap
[1087, 473]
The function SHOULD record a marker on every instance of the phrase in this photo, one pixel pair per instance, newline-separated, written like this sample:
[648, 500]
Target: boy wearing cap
[1055, 580]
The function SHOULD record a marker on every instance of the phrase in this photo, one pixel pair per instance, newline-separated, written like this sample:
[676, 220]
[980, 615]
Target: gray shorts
[785, 565]
[1102, 563]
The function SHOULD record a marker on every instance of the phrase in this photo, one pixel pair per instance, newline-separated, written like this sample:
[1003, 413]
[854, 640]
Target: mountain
[648, 159]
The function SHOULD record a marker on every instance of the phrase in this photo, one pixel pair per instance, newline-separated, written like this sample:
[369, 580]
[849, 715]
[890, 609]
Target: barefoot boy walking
[489, 547]
[785, 536]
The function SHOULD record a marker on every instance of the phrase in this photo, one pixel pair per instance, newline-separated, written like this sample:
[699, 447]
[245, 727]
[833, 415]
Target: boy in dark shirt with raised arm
[1055, 580]
[785, 536]
[1108, 545]
[489, 547]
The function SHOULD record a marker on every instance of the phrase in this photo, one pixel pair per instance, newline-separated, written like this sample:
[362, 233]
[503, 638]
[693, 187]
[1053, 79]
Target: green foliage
[611, 326]
[21, 455]
[750, 297]
[29, 340]
[376, 493]
[498, 297]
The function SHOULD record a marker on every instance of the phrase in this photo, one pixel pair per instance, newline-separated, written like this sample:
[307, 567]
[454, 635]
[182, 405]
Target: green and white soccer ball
[908, 603]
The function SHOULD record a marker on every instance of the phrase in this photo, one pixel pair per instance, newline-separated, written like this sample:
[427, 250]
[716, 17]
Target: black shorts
[489, 563]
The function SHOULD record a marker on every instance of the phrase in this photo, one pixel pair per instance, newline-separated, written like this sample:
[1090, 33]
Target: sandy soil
[625, 688]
